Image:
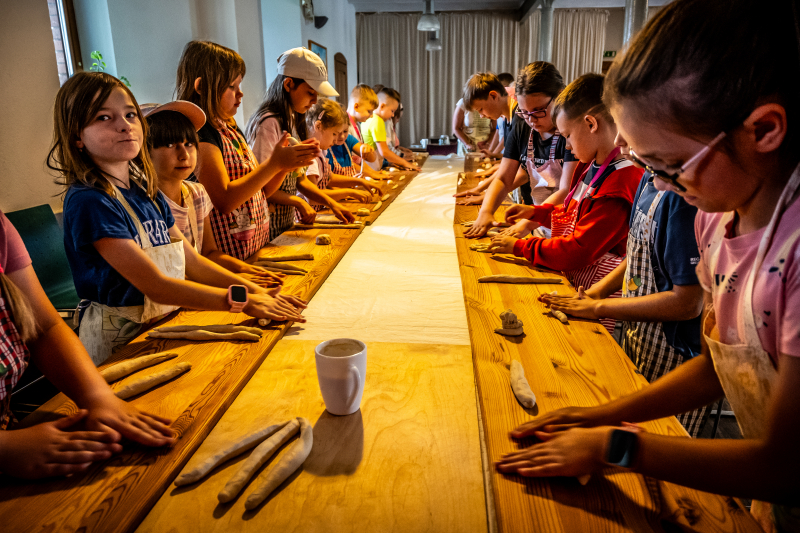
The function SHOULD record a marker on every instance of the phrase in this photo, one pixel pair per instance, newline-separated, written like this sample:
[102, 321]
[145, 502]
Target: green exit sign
[610, 53]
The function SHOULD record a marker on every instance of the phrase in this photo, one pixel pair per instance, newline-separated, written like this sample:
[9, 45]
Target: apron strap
[188, 198]
[553, 144]
[614, 153]
[139, 228]
[650, 213]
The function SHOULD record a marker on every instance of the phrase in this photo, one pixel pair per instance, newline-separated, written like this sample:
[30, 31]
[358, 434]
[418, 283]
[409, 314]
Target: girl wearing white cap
[209, 75]
[302, 76]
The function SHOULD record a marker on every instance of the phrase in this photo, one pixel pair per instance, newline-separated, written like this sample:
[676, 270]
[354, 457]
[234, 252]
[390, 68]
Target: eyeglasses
[672, 179]
[539, 113]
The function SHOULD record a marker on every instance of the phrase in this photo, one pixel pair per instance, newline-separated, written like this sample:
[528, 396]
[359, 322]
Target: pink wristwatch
[237, 298]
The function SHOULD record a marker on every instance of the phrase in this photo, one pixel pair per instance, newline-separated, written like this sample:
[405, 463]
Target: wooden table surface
[408, 461]
[578, 364]
[115, 495]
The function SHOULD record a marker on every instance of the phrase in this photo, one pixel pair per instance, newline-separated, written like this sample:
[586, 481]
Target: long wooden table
[578, 364]
[115, 495]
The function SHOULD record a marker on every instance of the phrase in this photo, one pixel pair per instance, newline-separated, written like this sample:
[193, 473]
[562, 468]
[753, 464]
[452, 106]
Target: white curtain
[391, 51]
[579, 37]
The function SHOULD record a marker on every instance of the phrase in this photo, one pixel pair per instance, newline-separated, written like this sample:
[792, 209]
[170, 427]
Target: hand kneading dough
[483, 247]
[511, 324]
[148, 382]
[323, 238]
[520, 385]
[504, 278]
[377, 206]
[125, 368]
[362, 212]
[242, 445]
[291, 461]
[259, 456]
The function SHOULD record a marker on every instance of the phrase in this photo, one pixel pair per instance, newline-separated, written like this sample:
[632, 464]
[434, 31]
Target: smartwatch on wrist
[237, 298]
[622, 448]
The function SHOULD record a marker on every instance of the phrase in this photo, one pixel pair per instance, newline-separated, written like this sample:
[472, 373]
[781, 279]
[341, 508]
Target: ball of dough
[362, 212]
[323, 238]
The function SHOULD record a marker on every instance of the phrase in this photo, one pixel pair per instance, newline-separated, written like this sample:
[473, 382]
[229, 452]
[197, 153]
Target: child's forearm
[609, 284]
[683, 302]
[283, 198]
[337, 180]
[312, 192]
[390, 156]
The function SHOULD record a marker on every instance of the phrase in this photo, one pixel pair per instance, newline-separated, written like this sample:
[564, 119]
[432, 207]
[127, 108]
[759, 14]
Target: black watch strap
[622, 448]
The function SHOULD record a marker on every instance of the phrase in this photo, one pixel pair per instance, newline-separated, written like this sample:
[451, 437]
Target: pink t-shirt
[776, 294]
[13, 255]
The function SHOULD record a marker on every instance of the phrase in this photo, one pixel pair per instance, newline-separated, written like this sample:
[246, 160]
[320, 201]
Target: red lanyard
[614, 153]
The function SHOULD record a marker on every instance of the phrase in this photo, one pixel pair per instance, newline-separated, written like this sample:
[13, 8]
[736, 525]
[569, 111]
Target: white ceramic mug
[341, 370]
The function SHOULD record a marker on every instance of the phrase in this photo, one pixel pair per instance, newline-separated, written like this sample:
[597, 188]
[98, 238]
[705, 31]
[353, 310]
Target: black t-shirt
[516, 145]
[209, 134]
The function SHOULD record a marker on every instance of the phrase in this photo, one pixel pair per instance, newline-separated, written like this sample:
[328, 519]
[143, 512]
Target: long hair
[700, 67]
[277, 102]
[76, 104]
[217, 67]
[20, 309]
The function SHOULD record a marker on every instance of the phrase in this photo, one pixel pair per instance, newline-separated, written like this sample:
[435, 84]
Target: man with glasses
[534, 155]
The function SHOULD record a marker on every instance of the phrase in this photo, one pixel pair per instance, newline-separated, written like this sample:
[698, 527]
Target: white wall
[281, 23]
[338, 35]
[94, 33]
[28, 85]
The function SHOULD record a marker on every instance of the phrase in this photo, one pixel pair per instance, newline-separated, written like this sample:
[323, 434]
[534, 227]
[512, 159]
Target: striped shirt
[202, 207]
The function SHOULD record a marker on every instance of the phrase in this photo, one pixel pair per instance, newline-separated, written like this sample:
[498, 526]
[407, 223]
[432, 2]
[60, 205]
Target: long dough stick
[385, 197]
[119, 371]
[282, 270]
[149, 382]
[328, 226]
[559, 315]
[291, 461]
[283, 266]
[216, 328]
[259, 456]
[520, 385]
[290, 257]
[377, 206]
[504, 278]
[200, 335]
[242, 445]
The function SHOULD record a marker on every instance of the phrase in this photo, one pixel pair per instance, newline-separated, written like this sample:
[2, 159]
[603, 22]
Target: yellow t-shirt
[374, 131]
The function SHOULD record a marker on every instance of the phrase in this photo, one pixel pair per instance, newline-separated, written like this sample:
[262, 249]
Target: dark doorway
[340, 78]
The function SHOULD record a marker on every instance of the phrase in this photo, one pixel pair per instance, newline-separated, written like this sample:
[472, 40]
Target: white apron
[745, 371]
[104, 328]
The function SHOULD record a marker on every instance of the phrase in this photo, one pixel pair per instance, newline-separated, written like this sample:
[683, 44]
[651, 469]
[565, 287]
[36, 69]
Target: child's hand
[469, 192]
[108, 412]
[342, 213]
[305, 211]
[580, 305]
[273, 308]
[502, 244]
[471, 200]
[293, 157]
[50, 449]
[551, 172]
[359, 196]
[519, 212]
[367, 149]
[371, 186]
[261, 276]
[521, 228]
[293, 300]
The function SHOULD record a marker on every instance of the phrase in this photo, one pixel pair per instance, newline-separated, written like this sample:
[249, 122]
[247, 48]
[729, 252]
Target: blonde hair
[364, 93]
[217, 67]
[20, 309]
[76, 104]
[329, 112]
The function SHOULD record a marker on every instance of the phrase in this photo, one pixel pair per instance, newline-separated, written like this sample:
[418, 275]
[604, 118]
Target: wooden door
[340, 78]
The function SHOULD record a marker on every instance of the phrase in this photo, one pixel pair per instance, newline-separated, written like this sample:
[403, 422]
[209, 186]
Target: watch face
[621, 447]
[239, 294]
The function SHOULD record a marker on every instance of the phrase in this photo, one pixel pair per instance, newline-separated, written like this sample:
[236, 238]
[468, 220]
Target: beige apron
[745, 370]
[103, 328]
[191, 214]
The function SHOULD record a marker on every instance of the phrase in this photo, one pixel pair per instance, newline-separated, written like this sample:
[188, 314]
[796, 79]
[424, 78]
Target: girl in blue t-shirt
[127, 258]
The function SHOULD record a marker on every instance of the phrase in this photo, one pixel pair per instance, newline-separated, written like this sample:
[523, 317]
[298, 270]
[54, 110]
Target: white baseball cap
[304, 64]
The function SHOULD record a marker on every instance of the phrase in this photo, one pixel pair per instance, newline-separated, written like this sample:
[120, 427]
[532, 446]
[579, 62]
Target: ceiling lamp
[434, 44]
[428, 21]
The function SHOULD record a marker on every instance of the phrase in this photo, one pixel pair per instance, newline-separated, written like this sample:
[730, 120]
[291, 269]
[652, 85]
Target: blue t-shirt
[674, 255]
[340, 153]
[90, 215]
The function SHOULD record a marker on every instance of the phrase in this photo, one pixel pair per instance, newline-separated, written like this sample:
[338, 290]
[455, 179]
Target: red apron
[563, 224]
